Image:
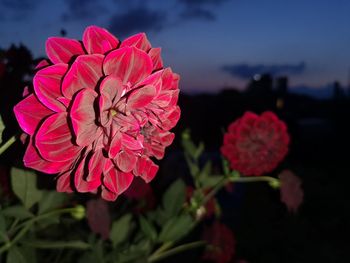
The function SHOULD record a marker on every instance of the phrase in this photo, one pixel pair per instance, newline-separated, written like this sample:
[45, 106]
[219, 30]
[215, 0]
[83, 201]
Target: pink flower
[221, 243]
[254, 144]
[143, 193]
[98, 217]
[100, 110]
[291, 191]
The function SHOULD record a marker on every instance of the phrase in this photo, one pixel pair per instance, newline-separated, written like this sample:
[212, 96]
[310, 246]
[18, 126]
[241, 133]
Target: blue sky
[210, 43]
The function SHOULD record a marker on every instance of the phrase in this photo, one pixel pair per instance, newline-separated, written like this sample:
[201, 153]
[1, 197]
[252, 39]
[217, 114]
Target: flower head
[221, 243]
[291, 191]
[254, 144]
[99, 111]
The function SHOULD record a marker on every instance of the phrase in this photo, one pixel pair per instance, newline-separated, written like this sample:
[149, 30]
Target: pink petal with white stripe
[83, 117]
[85, 72]
[115, 145]
[111, 89]
[139, 40]
[141, 97]
[117, 181]
[43, 63]
[80, 183]
[126, 160]
[145, 168]
[47, 86]
[29, 113]
[131, 142]
[99, 40]
[63, 184]
[108, 195]
[54, 139]
[61, 50]
[33, 160]
[155, 54]
[130, 64]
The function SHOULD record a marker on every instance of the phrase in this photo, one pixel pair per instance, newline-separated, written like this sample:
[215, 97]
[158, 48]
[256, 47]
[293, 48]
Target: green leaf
[51, 200]
[2, 228]
[176, 228]
[211, 181]
[174, 198]
[15, 255]
[24, 186]
[148, 229]
[199, 150]
[120, 229]
[48, 244]
[17, 211]
[187, 144]
[2, 128]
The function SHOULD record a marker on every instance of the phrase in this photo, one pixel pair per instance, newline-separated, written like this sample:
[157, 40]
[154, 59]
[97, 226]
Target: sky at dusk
[210, 43]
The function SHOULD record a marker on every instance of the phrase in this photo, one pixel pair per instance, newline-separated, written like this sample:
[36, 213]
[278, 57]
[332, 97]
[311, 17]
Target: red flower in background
[254, 144]
[98, 217]
[221, 243]
[291, 191]
[99, 111]
[143, 194]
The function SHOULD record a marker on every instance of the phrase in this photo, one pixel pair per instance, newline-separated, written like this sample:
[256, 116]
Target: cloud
[19, 4]
[246, 71]
[136, 20]
[197, 13]
[83, 9]
[200, 9]
[16, 9]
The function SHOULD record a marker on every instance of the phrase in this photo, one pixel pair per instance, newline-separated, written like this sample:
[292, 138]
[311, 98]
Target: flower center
[113, 112]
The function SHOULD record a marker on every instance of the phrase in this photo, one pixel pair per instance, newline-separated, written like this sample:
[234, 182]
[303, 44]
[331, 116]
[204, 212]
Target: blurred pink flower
[100, 110]
[221, 243]
[98, 217]
[291, 191]
[254, 144]
[143, 194]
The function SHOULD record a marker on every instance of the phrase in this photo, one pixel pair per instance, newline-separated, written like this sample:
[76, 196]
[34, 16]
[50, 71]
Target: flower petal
[95, 166]
[117, 181]
[61, 50]
[108, 195]
[47, 86]
[83, 117]
[115, 145]
[98, 40]
[64, 183]
[85, 72]
[154, 53]
[126, 160]
[141, 97]
[33, 160]
[111, 89]
[29, 113]
[139, 40]
[131, 142]
[145, 168]
[54, 139]
[129, 64]
[82, 185]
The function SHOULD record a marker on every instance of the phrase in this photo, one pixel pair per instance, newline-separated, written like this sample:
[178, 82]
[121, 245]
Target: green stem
[29, 223]
[268, 179]
[162, 248]
[175, 250]
[224, 180]
[7, 144]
